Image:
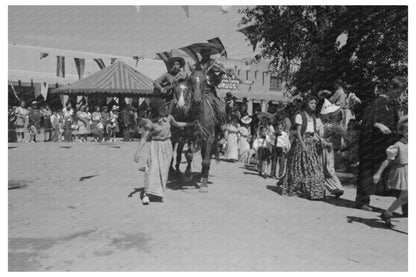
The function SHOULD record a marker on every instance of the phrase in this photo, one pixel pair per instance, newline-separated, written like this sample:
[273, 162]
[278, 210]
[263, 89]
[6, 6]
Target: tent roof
[119, 79]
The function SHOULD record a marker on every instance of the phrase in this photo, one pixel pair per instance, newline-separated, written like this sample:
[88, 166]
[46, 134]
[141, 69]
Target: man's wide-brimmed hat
[172, 60]
[115, 108]
[324, 93]
[229, 94]
[218, 67]
[329, 108]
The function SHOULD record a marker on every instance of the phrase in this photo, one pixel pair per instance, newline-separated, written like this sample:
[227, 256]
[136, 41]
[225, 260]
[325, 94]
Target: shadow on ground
[372, 222]
[180, 181]
[18, 184]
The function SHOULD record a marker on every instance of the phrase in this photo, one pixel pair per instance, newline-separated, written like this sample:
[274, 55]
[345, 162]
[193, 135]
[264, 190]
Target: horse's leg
[216, 147]
[171, 169]
[189, 157]
[206, 162]
[181, 144]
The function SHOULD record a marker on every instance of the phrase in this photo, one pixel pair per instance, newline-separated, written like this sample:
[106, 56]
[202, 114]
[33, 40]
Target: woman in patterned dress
[304, 164]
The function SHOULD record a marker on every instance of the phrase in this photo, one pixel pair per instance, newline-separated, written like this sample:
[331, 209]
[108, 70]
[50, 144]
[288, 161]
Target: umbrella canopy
[263, 115]
[119, 79]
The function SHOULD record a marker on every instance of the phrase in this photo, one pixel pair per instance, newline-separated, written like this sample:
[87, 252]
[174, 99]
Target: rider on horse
[169, 80]
[215, 73]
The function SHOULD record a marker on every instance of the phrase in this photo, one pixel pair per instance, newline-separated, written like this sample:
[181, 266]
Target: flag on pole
[44, 90]
[218, 42]
[141, 99]
[100, 63]
[188, 50]
[164, 56]
[137, 59]
[80, 65]
[43, 55]
[186, 9]
[64, 99]
[60, 66]
[248, 32]
[14, 92]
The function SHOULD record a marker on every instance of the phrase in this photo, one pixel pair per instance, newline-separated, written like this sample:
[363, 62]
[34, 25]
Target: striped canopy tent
[119, 79]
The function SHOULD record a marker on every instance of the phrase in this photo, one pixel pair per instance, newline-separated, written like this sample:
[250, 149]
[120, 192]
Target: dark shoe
[387, 218]
[364, 207]
[337, 193]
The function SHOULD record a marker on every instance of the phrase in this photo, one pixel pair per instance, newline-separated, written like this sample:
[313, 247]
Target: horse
[205, 109]
[181, 111]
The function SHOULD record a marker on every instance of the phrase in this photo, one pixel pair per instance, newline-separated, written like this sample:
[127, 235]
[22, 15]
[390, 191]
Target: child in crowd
[397, 157]
[280, 147]
[262, 145]
[34, 121]
[46, 119]
[112, 126]
[61, 126]
[55, 126]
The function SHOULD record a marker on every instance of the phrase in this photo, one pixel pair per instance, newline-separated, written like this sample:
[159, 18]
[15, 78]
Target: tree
[303, 44]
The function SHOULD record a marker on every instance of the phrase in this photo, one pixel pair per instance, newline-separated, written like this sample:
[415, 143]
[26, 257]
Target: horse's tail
[216, 146]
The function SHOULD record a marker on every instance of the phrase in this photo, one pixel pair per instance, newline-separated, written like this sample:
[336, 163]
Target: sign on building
[229, 83]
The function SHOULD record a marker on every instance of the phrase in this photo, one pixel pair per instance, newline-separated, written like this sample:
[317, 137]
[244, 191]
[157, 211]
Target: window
[264, 78]
[255, 74]
[274, 83]
[247, 72]
[238, 73]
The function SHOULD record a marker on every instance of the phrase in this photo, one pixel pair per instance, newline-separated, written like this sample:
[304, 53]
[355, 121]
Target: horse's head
[182, 94]
[198, 81]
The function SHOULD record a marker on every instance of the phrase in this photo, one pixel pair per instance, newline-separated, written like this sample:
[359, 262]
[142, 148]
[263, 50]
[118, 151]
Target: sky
[125, 30]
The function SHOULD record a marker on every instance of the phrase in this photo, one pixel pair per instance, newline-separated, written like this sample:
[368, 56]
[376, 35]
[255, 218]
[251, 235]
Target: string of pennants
[80, 64]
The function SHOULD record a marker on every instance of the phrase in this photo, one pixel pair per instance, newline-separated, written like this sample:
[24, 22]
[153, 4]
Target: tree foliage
[301, 42]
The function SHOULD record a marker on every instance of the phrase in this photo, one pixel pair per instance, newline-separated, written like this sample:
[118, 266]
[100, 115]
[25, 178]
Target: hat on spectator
[246, 119]
[329, 108]
[324, 93]
[115, 107]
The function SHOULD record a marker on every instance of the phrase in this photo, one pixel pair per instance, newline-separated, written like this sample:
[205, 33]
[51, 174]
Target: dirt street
[76, 207]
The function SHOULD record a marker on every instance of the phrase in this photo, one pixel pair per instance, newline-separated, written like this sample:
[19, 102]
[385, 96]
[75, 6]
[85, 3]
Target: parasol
[263, 115]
